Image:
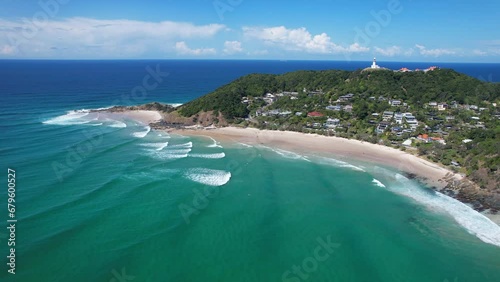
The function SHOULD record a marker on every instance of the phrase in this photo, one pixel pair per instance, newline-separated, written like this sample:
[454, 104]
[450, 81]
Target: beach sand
[312, 144]
[341, 148]
[144, 117]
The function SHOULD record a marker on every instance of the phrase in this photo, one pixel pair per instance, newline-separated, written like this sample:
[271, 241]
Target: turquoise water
[133, 204]
[102, 198]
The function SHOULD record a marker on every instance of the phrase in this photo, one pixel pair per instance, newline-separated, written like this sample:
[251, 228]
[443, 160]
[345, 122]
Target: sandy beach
[432, 174]
[343, 149]
[144, 117]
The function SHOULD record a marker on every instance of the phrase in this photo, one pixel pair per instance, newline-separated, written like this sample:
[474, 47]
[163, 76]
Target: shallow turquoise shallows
[103, 199]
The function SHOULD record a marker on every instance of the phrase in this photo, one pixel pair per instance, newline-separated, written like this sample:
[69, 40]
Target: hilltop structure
[374, 65]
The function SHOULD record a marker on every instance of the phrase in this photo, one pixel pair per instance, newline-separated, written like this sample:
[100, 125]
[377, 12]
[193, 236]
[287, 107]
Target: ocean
[101, 198]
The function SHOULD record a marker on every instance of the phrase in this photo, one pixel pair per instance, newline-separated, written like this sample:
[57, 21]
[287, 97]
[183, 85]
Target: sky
[391, 30]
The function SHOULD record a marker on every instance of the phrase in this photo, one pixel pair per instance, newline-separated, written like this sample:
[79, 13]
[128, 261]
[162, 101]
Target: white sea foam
[178, 151]
[215, 144]
[142, 134]
[209, 156]
[167, 155]
[175, 105]
[474, 222]
[337, 163]
[117, 124]
[96, 124]
[287, 154]
[207, 176]
[104, 108]
[245, 145]
[70, 118]
[184, 145]
[156, 146]
[378, 183]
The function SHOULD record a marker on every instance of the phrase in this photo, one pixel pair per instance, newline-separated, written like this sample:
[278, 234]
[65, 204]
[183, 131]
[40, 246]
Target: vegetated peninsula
[438, 114]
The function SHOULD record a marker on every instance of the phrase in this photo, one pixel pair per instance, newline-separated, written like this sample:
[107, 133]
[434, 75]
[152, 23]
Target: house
[346, 98]
[433, 104]
[395, 103]
[399, 118]
[423, 137]
[315, 114]
[298, 113]
[334, 108]
[387, 116]
[438, 140]
[332, 123]
[348, 108]
[442, 106]
[473, 107]
[382, 127]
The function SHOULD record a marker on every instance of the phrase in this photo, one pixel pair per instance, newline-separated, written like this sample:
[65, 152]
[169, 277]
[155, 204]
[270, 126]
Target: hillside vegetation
[417, 88]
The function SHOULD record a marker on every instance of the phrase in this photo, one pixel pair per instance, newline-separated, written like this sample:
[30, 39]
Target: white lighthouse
[374, 65]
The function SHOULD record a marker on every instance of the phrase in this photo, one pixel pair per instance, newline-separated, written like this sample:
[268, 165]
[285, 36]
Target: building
[395, 103]
[374, 64]
[442, 106]
[334, 108]
[315, 114]
[332, 122]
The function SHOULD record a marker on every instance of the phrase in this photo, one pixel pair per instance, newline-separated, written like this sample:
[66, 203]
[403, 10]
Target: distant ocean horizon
[100, 198]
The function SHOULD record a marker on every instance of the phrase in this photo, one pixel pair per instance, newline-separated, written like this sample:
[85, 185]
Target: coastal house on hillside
[442, 106]
[346, 98]
[387, 115]
[315, 114]
[332, 122]
[336, 108]
[395, 103]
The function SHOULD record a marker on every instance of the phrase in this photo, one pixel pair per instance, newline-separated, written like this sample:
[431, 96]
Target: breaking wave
[70, 118]
[378, 183]
[474, 222]
[337, 163]
[184, 145]
[215, 144]
[209, 156]
[156, 146]
[207, 176]
[142, 134]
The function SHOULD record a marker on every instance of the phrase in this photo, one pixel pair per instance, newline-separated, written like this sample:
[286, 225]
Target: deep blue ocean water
[100, 196]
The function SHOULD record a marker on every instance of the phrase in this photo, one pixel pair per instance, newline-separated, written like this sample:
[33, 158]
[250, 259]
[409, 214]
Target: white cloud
[392, 51]
[479, 52]
[183, 49]
[389, 51]
[232, 47]
[82, 36]
[300, 39]
[434, 52]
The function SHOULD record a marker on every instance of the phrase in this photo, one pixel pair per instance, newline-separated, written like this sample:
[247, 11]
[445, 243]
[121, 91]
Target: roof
[315, 114]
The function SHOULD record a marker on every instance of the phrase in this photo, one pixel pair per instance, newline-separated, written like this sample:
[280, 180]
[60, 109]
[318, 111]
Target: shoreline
[428, 172]
[431, 174]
